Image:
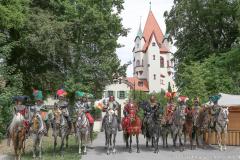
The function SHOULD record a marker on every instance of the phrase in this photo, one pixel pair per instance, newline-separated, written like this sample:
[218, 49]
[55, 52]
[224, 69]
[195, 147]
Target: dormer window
[153, 44]
[140, 83]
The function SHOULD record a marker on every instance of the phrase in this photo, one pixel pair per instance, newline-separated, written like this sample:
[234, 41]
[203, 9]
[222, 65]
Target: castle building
[152, 60]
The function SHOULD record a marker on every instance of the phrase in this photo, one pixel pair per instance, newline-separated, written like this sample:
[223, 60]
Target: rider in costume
[112, 108]
[196, 110]
[151, 107]
[214, 109]
[39, 108]
[170, 106]
[19, 115]
[62, 104]
[83, 103]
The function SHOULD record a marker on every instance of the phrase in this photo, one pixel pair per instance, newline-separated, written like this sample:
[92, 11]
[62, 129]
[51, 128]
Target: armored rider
[62, 104]
[214, 109]
[112, 108]
[151, 108]
[19, 115]
[40, 108]
[196, 110]
[83, 103]
[170, 106]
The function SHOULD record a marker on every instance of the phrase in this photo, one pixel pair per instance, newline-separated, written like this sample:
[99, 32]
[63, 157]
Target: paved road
[98, 152]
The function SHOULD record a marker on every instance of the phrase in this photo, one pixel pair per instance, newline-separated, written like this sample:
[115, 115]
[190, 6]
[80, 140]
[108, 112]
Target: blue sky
[133, 11]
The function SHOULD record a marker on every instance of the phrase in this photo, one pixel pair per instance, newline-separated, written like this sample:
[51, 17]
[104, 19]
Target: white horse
[221, 128]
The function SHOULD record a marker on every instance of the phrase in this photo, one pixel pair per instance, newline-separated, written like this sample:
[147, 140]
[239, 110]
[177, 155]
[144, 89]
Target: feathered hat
[170, 95]
[38, 96]
[61, 93]
[183, 99]
[214, 98]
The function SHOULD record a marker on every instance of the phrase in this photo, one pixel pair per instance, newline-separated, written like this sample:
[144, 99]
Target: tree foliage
[49, 44]
[206, 34]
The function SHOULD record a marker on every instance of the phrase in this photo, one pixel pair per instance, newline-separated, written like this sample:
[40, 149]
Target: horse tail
[91, 132]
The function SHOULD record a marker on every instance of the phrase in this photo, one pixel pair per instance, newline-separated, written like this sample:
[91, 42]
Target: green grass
[70, 153]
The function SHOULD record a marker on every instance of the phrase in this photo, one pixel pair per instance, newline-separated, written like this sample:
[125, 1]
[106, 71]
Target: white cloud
[133, 10]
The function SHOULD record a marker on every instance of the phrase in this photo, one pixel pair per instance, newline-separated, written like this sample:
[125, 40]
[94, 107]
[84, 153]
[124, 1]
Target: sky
[134, 10]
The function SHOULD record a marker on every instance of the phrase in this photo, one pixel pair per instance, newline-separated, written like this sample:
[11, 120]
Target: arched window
[154, 76]
[142, 62]
[154, 57]
[168, 65]
[138, 63]
[161, 62]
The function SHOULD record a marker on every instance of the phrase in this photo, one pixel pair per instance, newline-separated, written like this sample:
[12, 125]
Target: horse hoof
[108, 153]
[182, 149]
[138, 151]
[130, 151]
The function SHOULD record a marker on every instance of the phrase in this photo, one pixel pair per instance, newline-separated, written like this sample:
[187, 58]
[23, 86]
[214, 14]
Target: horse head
[223, 114]
[132, 111]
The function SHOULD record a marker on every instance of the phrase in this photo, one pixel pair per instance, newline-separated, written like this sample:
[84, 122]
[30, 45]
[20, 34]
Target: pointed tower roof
[140, 33]
[152, 29]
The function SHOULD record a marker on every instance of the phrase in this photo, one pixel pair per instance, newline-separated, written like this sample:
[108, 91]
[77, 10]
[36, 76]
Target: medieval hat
[61, 93]
[20, 98]
[79, 94]
[183, 99]
[38, 96]
[214, 98]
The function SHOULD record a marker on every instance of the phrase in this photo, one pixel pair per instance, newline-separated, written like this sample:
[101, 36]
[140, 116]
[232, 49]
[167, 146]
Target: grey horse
[177, 126]
[110, 127]
[60, 128]
[82, 131]
[221, 128]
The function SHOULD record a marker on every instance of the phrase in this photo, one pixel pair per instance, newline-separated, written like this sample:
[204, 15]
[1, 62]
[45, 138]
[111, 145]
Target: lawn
[70, 153]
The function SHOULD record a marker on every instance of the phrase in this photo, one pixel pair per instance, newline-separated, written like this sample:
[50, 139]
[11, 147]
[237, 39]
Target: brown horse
[188, 127]
[202, 126]
[18, 137]
[131, 125]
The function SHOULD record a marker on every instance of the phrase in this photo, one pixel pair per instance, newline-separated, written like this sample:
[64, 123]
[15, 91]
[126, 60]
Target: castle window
[161, 62]
[138, 63]
[134, 59]
[153, 44]
[138, 45]
[168, 65]
[154, 76]
[142, 62]
[162, 81]
[154, 57]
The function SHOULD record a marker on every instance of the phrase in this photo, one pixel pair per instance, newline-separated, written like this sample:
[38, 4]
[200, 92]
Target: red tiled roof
[152, 29]
[144, 87]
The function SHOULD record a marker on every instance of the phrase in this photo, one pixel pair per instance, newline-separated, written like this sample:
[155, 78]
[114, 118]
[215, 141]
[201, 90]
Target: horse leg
[225, 141]
[85, 143]
[40, 146]
[108, 144]
[191, 140]
[55, 145]
[106, 139]
[130, 143]
[62, 145]
[67, 141]
[114, 142]
[152, 142]
[126, 139]
[137, 140]
[219, 141]
[180, 141]
[174, 141]
[34, 145]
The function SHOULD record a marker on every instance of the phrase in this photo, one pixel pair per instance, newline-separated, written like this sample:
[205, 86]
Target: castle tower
[152, 59]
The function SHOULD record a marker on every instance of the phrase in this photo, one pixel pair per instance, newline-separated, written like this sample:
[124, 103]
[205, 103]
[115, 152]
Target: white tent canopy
[228, 100]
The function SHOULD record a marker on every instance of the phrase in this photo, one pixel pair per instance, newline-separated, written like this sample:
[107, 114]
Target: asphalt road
[98, 152]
